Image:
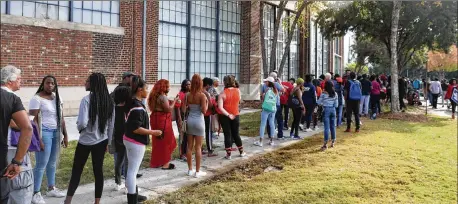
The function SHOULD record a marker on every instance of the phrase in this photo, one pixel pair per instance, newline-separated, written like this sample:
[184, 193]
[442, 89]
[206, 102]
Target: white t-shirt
[48, 110]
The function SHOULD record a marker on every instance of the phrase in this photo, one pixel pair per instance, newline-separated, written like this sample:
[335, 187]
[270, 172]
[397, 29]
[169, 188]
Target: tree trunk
[273, 52]
[265, 66]
[290, 36]
[394, 61]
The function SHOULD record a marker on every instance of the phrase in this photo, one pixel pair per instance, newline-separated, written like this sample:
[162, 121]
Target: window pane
[97, 5]
[87, 17]
[29, 9]
[77, 4]
[77, 15]
[3, 7]
[40, 11]
[96, 18]
[106, 6]
[106, 19]
[87, 4]
[64, 3]
[16, 8]
[115, 20]
[114, 6]
[63, 13]
[53, 12]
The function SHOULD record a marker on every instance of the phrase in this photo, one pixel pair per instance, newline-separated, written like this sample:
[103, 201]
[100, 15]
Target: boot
[140, 198]
[453, 116]
[132, 198]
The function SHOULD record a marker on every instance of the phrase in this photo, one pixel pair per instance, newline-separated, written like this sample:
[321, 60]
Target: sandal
[171, 166]
[323, 148]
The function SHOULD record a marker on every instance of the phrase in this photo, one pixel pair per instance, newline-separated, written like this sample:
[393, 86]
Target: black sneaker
[141, 198]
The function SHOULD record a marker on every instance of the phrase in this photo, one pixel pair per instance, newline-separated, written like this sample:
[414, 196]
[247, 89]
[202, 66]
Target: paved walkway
[440, 111]
[156, 182]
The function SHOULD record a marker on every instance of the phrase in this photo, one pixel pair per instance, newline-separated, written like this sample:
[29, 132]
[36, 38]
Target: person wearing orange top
[228, 104]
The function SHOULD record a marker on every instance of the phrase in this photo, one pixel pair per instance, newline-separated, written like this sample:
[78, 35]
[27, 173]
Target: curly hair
[161, 87]
[196, 84]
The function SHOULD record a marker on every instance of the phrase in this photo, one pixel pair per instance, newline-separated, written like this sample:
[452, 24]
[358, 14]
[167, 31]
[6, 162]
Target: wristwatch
[13, 161]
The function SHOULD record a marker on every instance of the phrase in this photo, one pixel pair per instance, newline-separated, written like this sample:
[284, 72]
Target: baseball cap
[127, 74]
[269, 79]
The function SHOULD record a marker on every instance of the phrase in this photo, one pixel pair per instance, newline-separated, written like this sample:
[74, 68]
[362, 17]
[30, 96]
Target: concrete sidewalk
[157, 182]
[441, 110]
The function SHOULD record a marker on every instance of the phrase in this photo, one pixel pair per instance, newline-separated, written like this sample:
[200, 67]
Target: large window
[205, 25]
[290, 68]
[90, 12]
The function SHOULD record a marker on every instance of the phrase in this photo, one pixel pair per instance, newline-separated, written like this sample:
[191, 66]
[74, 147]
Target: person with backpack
[353, 98]
[297, 106]
[338, 88]
[309, 100]
[452, 95]
[278, 114]
[329, 100]
[366, 87]
[269, 108]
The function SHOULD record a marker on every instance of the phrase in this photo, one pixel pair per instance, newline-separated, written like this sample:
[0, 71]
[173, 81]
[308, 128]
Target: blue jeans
[364, 104]
[329, 123]
[279, 119]
[339, 111]
[267, 117]
[46, 159]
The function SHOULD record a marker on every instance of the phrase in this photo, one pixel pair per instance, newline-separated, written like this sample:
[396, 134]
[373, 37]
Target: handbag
[35, 142]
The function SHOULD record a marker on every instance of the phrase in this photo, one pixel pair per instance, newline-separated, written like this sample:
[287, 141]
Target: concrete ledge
[250, 92]
[56, 24]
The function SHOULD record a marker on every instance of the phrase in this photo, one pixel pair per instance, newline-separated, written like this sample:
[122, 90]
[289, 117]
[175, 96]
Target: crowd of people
[122, 122]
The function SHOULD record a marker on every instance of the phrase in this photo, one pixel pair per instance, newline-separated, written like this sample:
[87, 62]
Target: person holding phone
[15, 164]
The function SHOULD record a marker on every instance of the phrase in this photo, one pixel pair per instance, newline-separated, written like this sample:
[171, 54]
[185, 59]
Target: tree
[289, 24]
[358, 69]
[443, 62]
[421, 24]
[394, 59]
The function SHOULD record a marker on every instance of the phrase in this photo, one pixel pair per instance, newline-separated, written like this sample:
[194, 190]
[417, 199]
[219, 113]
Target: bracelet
[13, 161]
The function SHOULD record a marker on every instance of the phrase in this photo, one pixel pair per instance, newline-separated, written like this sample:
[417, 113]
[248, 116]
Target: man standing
[435, 89]
[14, 161]
[208, 84]
[278, 114]
[366, 86]
[288, 85]
[353, 97]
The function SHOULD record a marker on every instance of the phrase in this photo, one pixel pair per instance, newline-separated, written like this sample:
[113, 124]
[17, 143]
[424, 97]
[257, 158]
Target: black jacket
[137, 118]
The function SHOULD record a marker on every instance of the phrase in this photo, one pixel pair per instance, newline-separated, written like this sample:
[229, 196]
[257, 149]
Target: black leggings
[297, 114]
[208, 134]
[375, 103]
[81, 155]
[453, 106]
[231, 132]
[121, 157]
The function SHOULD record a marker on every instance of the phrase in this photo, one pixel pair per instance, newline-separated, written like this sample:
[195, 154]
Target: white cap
[269, 79]
[215, 79]
[273, 75]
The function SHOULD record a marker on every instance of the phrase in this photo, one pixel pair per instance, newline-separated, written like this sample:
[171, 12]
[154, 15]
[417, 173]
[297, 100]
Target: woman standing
[309, 100]
[338, 86]
[329, 101]
[375, 97]
[228, 104]
[185, 87]
[297, 106]
[451, 86]
[136, 136]
[161, 119]
[195, 106]
[95, 125]
[46, 106]
[269, 108]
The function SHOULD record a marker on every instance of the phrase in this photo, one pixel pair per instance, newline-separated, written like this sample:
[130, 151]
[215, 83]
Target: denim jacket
[327, 101]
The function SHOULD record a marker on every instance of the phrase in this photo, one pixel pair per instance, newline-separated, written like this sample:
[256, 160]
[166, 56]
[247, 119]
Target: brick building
[166, 39]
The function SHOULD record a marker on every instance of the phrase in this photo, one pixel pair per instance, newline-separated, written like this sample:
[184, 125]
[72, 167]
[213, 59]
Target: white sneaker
[308, 130]
[56, 193]
[271, 143]
[191, 173]
[120, 187]
[38, 199]
[243, 154]
[200, 174]
[257, 143]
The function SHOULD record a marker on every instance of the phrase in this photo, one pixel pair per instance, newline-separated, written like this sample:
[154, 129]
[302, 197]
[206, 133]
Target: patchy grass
[389, 161]
[64, 170]
[249, 124]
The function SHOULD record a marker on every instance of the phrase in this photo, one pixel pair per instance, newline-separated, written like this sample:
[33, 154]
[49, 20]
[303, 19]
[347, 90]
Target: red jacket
[448, 95]
[288, 88]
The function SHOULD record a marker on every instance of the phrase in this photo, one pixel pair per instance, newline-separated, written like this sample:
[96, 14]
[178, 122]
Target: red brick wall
[71, 55]
[250, 43]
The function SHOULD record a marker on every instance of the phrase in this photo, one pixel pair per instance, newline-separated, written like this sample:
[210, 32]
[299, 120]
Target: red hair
[160, 88]
[196, 84]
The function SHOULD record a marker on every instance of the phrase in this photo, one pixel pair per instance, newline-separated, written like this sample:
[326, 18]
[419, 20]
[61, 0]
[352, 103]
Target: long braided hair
[56, 91]
[100, 104]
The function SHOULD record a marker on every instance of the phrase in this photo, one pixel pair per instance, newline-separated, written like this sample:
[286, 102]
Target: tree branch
[273, 60]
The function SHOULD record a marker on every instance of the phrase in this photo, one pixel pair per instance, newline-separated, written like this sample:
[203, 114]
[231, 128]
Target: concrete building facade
[156, 39]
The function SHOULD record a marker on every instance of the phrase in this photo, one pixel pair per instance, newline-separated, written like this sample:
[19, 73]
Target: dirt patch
[411, 117]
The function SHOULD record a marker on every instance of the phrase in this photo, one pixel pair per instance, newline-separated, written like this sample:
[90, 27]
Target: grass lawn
[390, 160]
